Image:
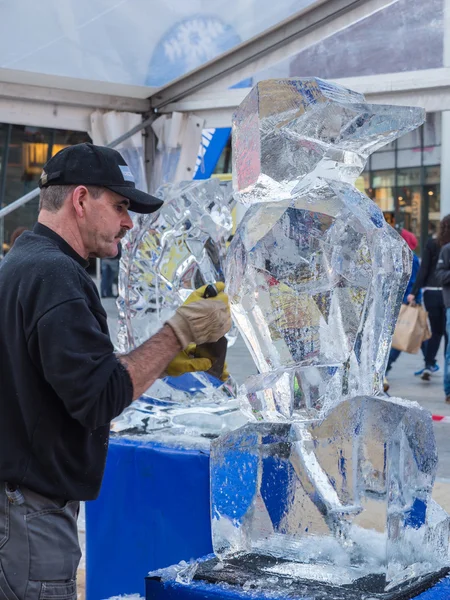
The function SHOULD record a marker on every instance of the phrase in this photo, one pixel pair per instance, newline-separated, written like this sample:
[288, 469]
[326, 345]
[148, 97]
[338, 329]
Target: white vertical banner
[106, 127]
[179, 137]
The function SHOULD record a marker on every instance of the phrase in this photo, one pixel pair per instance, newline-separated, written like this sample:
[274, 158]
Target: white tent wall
[179, 136]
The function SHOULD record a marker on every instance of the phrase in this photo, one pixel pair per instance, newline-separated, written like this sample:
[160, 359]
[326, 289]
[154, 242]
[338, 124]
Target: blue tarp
[152, 512]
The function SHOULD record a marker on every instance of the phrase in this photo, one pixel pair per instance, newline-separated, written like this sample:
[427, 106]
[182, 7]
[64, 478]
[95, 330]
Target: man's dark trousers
[39, 549]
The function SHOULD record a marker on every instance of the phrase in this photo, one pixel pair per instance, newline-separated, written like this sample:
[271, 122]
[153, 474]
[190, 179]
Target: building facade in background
[23, 153]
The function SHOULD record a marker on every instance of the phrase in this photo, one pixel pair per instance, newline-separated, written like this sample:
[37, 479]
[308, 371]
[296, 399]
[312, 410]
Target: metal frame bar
[58, 89]
[324, 18]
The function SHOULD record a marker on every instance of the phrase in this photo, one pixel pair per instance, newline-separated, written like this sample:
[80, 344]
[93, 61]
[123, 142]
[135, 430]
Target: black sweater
[60, 381]
[426, 277]
[443, 273]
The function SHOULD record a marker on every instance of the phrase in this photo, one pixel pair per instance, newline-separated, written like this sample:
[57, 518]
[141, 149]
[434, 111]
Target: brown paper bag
[412, 328]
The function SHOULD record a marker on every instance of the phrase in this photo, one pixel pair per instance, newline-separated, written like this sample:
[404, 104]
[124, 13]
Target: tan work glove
[200, 320]
[186, 362]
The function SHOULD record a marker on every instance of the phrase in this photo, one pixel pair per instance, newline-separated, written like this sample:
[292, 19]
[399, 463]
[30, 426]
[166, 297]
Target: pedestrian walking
[411, 240]
[60, 379]
[427, 282]
[443, 278]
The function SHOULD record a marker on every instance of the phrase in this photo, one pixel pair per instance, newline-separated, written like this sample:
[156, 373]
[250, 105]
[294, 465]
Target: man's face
[107, 221]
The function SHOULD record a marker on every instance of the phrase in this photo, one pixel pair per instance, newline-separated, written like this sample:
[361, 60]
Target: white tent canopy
[68, 58]
[105, 58]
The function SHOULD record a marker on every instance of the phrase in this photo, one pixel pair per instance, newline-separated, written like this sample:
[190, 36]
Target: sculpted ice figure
[165, 257]
[315, 274]
[334, 482]
[170, 253]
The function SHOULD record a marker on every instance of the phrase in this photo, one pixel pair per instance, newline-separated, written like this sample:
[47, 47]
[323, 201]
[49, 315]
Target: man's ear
[79, 197]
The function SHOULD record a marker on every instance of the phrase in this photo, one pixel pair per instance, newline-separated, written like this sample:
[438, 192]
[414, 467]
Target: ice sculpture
[334, 483]
[165, 257]
[170, 253]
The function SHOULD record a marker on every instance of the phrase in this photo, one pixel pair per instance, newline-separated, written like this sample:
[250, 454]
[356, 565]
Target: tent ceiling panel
[322, 19]
[133, 42]
[406, 36]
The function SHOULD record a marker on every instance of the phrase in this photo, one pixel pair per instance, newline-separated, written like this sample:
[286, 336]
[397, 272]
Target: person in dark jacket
[443, 278]
[427, 281]
[411, 240]
[60, 379]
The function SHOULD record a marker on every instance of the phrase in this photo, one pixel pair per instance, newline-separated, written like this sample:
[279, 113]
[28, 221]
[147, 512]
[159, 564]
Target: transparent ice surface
[349, 493]
[289, 130]
[315, 274]
[170, 253]
[166, 256]
[178, 424]
[334, 480]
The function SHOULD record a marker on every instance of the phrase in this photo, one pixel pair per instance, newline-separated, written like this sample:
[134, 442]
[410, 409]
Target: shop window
[383, 179]
[408, 177]
[433, 174]
[384, 197]
[382, 190]
[29, 150]
[432, 192]
[412, 139]
[409, 202]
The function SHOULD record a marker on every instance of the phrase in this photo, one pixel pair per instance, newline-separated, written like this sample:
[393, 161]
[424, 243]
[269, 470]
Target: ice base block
[248, 577]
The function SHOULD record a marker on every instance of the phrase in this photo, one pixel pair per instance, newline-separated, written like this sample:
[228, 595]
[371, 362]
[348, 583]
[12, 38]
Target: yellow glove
[186, 362]
[200, 320]
[199, 294]
[225, 373]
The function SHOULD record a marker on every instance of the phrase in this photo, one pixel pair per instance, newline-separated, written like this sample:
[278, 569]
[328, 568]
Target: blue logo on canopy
[189, 44]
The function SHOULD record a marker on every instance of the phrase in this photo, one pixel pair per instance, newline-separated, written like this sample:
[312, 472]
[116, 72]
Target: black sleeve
[77, 360]
[443, 266]
[424, 270]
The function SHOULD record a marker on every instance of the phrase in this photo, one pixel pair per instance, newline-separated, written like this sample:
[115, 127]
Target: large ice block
[315, 274]
[337, 498]
[330, 482]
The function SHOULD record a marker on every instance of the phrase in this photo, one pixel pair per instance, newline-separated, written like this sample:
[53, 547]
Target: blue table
[152, 512]
[197, 590]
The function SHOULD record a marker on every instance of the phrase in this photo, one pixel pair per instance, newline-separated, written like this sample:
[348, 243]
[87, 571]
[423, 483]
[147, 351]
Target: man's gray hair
[52, 197]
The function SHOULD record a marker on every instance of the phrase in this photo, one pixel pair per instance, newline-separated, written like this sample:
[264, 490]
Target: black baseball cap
[86, 164]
